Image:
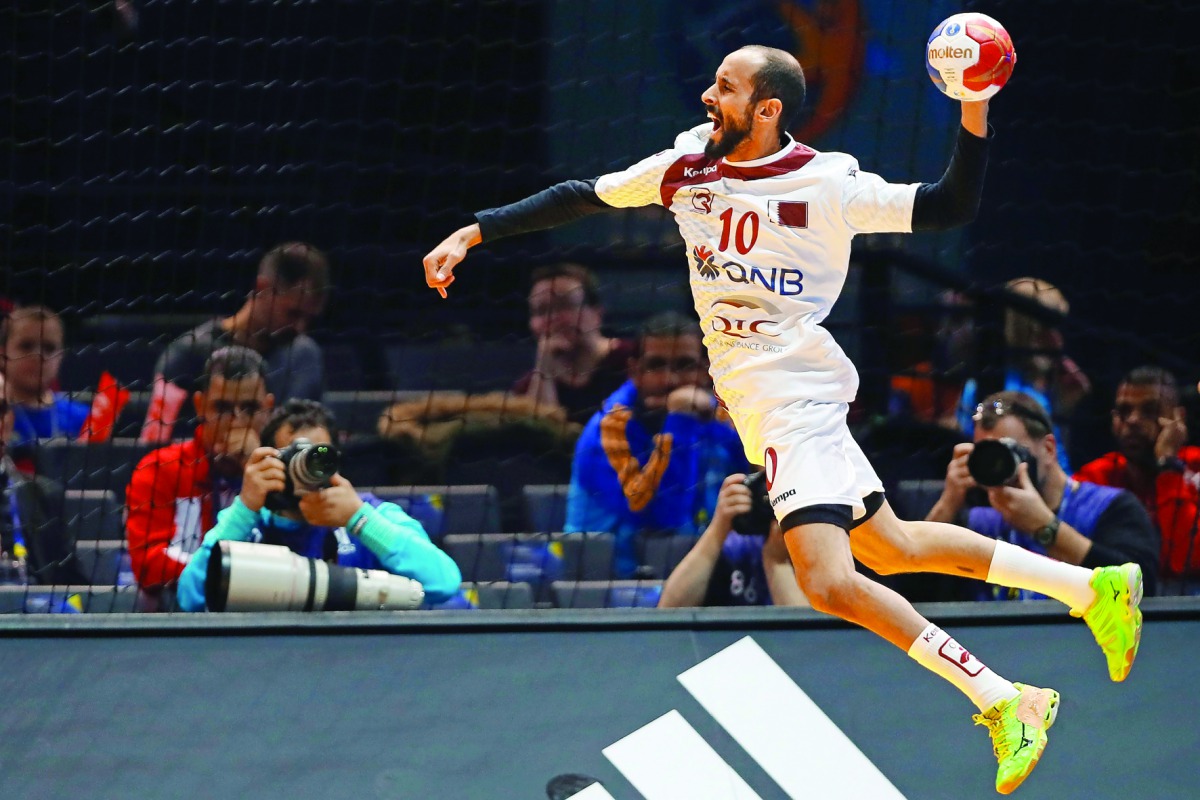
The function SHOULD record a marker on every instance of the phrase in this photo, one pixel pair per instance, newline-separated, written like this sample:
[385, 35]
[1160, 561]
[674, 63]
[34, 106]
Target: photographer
[334, 523]
[1033, 503]
[731, 568]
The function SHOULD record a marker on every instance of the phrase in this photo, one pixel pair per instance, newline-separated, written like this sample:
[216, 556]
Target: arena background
[154, 149]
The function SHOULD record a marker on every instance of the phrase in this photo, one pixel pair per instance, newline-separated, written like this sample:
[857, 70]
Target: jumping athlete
[767, 223]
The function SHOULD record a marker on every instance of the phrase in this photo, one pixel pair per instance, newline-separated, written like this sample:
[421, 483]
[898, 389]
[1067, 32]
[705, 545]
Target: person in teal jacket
[337, 524]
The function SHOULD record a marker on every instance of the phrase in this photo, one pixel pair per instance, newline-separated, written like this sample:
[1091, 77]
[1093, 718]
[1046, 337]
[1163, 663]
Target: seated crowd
[658, 479]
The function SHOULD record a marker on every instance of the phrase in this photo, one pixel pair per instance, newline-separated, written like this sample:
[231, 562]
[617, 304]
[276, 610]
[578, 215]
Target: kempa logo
[952, 52]
[782, 497]
[756, 702]
[691, 172]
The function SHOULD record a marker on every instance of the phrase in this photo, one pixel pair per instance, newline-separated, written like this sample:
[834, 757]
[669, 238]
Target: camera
[244, 576]
[757, 521]
[994, 462]
[307, 467]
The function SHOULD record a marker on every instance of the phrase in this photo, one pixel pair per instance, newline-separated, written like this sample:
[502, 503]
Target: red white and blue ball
[970, 56]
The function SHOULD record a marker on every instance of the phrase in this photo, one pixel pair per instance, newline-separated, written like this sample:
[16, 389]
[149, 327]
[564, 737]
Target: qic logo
[728, 318]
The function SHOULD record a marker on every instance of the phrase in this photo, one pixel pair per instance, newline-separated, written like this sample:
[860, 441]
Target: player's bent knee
[830, 594]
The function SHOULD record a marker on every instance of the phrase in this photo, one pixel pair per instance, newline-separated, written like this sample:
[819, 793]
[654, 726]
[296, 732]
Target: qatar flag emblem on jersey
[788, 213]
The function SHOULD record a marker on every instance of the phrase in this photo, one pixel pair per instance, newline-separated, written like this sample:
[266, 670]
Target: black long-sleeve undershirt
[949, 203]
[561, 203]
[954, 199]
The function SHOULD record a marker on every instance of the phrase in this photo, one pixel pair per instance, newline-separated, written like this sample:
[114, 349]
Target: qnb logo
[784, 281]
[705, 262]
[952, 52]
[692, 172]
[728, 318]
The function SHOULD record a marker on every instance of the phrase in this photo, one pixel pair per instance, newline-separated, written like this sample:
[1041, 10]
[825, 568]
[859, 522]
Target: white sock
[937, 652]
[1017, 567]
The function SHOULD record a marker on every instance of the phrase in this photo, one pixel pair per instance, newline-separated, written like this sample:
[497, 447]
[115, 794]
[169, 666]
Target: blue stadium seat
[913, 499]
[499, 594]
[52, 599]
[358, 411]
[130, 362]
[606, 594]
[104, 465]
[477, 367]
[456, 509]
[531, 558]
[545, 506]
[104, 563]
[663, 553]
[343, 366]
[94, 514]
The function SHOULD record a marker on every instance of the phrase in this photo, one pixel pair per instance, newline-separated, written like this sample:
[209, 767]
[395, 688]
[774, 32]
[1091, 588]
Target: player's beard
[732, 134]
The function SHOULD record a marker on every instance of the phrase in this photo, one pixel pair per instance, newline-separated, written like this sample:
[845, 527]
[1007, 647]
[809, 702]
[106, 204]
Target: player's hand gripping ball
[970, 56]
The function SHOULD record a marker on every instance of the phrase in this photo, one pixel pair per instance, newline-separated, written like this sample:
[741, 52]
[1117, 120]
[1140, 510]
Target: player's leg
[1017, 716]
[1106, 598]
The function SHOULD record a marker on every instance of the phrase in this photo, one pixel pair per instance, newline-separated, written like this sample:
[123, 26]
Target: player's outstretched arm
[441, 260]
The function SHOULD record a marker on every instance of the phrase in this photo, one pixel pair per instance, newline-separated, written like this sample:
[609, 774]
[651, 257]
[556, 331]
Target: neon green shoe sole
[1114, 616]
[1018, 728]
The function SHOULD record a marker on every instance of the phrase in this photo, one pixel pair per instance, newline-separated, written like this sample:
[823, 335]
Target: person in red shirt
[1152, 461]
[177, 490]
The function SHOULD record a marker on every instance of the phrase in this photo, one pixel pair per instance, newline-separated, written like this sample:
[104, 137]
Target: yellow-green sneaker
[1114, 616]
[1018, 728]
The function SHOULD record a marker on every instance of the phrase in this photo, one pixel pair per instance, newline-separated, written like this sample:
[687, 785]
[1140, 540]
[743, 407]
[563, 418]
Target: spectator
[363, 531]
[1152, 462]
[177, 490]
[32, 338]
[1073, 521]
[733, 568]
[32, 532]
[1035, 363]
[577, 366]
[644, 460]
[289, 292]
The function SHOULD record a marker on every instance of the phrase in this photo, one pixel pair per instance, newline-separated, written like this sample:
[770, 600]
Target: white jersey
[768, 243]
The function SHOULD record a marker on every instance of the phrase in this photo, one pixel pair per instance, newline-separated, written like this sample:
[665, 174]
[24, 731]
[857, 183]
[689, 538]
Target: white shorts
[810, 457]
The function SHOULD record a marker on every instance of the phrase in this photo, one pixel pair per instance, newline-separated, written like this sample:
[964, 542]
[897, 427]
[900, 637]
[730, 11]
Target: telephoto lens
[994, 462]
[245, 576]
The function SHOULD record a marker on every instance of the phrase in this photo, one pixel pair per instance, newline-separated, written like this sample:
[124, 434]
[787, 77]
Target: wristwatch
[1046, 534]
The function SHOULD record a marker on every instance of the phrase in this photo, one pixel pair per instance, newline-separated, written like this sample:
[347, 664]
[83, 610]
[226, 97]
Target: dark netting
[157, 150]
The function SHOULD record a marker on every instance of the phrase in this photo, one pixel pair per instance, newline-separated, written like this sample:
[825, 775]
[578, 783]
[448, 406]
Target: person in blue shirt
[734, 568]
[31, 348]
[652, 459]
[1043, 509]
[337, 523]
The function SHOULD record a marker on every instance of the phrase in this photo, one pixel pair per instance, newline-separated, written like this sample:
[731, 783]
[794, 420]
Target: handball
[970, 57]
